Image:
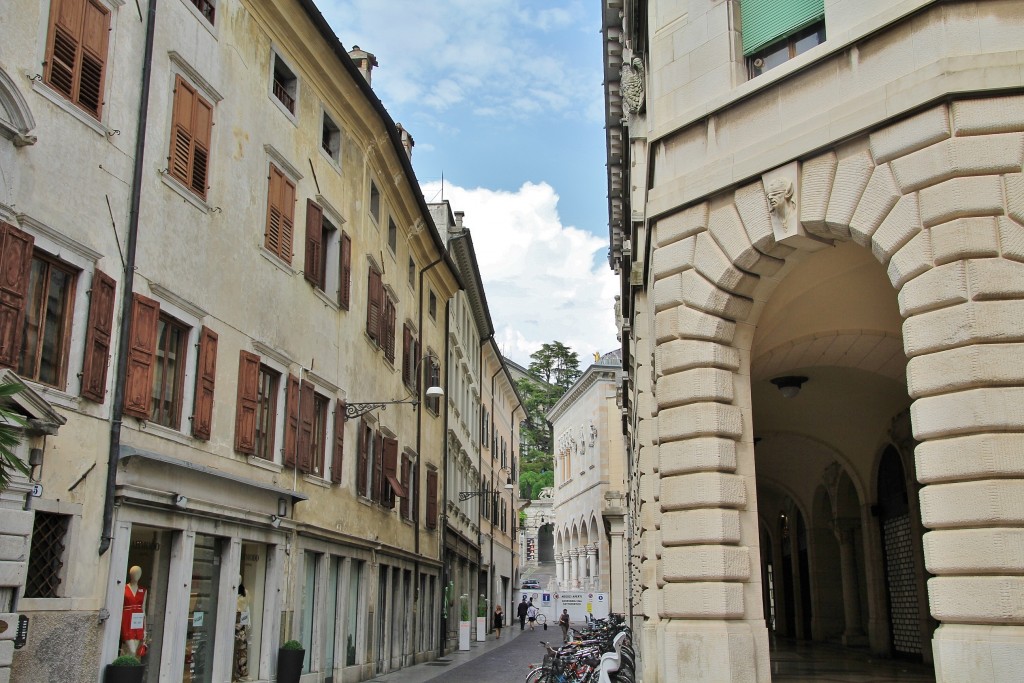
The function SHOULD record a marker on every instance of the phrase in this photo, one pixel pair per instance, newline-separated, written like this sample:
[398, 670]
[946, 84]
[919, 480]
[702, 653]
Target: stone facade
[847, 223]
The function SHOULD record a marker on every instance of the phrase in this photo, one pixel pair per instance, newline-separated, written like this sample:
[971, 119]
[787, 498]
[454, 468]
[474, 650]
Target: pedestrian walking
[531, 615]
[521, 613]
[563, 621]
[499, 621]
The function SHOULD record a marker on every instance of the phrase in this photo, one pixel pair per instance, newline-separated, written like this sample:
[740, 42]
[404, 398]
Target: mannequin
[133, 616]
[241, 668]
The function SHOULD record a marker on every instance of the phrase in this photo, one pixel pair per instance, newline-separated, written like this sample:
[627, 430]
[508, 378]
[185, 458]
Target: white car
[531, 584]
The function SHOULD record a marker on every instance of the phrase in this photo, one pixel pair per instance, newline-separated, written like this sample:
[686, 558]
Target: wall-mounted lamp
[354, 410]
[275, 521]
[789, 386]
[180, 501]
[282, 507]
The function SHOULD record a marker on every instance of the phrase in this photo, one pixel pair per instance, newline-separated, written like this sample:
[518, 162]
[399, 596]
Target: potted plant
[290, 657]
[481, 619]
[463, 622]
[124, 669]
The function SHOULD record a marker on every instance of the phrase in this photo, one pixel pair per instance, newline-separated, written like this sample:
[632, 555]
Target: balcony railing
[281, 93]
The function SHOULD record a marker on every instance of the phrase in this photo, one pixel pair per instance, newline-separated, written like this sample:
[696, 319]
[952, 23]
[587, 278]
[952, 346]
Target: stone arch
[16, 120]
[938, 199]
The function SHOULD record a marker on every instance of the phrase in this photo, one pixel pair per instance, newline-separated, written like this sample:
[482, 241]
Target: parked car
[531, 584]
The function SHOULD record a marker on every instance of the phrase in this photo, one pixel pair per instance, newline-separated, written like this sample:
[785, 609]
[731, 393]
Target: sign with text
[582, 604]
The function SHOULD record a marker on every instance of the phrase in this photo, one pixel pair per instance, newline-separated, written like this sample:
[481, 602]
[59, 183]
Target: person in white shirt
[531, 615]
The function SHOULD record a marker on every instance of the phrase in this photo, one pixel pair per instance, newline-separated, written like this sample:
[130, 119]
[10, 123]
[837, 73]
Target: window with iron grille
[46, 559]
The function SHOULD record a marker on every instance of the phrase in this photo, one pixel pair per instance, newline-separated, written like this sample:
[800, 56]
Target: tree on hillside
[554, 368]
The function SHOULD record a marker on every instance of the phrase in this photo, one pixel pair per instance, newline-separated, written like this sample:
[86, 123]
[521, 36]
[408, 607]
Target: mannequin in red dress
[133, 616]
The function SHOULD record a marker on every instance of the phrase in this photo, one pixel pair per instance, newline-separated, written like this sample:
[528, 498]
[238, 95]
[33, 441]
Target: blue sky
[504, 98]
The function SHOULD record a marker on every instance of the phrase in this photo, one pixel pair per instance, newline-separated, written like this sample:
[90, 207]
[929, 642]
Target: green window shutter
[765, 21]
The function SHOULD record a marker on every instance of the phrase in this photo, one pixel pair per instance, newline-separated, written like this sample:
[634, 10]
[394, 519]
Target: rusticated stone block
[693, 386]
[1014, 184]
[752, 206]
[725, 226]
[935, 288]
[703, 490]
[703, 651]
[682, 354]
[707, 525]
[988, 115]
[902, 223]
[989, 502]
[911, 260]
[698, 293]
[960, 197]
[911, 134]
[816, 178]
[969, 412]
[1011, 239]
[699, 419]
[681, 225]
[667, 293]
[702, 600]
[956, 157]
[686, 323]
[995, 278]
[965, 238]
[970, 323]
[977, 599]
[705, 563]
[979, 456]
[711, 262]
[703, 454]
[852, 176]
[672, 258]
[974, 551]
[967, 367]
[879, 197]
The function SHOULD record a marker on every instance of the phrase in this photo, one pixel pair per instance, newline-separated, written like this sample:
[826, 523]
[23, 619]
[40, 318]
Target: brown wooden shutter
[287, 218]
[291, 426]
[248, 399]
[403, 508]
[202, 127]
[406, 354]
[77, 51]
[392, 486]
[339, 441]
[388, 335]
[345, 277]
[96, 25]
[306, 412]
[373, 305]
[378, 467]
[206, 376]
[431, 521]
[138, 388]
[182, 135]
[97, 337]
[314, 243]
[63, 45]
[272, 239]
[363, 459]
[15, 268]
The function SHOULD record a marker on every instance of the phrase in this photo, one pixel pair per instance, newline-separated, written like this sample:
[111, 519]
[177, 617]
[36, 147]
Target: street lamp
[354, 410]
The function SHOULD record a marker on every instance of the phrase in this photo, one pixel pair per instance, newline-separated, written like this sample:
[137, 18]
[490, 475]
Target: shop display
[133, 615]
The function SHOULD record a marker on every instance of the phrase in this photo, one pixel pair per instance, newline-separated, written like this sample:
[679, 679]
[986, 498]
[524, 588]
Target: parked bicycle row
[600, 652]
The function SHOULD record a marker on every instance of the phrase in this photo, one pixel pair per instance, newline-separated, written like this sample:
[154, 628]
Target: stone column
[617, 562]
[558, 569]
[854, 634]
[573, 568]
[595, 577]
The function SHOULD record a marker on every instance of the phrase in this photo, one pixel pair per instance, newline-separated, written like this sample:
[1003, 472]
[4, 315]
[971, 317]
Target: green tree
[556, 364]
[10, 437]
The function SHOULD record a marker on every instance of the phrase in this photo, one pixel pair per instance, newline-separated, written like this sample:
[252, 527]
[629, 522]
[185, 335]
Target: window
[321, 239]
[76, 52]
[374, 202]
[432, 306]
[392, 235]
[312, 437]
[191, 126]
[775, 32]
[49, 306]
[169, 372]
[366, 461]
[285, 84]
[206, 8]
[280, 214]
[412, 273]
[330, 138]
[430, 520]
[266, 412]
[46, 558]
[410, 481]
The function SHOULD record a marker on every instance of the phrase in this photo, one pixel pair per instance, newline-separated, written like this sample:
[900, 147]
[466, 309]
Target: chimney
[407, 142]
[364, 60]
[458, 220]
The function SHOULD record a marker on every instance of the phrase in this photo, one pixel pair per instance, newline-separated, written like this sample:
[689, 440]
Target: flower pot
[289, 665]
[481, 629]
[463, 635]
[124, 674]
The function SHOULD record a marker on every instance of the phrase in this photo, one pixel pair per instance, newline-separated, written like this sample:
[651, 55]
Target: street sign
[37, 490]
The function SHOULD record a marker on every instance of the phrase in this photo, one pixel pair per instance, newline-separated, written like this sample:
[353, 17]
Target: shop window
[354, 623]
[249, 612]
[46, 558]
[775, 31]
[201, 624]
[310, 568]
[49, 306]
[169, 372]
[149, 554]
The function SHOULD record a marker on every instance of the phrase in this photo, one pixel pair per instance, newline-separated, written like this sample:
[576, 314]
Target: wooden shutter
[247, 403]
[15, 268]
[97, 337]
[363, 459]
[138, 388]
[96, 25]
[306, 411]
[378, 467]
[345, 281]
[373, 305]
[191, 124]
[407, 355]
[202, 418]
[431, 521]
[403, 508]
[63, 45]
[314, 243]
[202, 127]
[339, 441]
[291, 426]
[388, 340]
[76, 51]
[392, 485]
[272, 239]
[287, 218]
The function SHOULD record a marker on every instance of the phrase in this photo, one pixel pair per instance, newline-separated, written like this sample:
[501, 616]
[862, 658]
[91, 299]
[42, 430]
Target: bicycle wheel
[541, 619]
[538, 675]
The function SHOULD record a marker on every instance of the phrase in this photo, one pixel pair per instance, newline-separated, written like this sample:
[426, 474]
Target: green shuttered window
[765, 21]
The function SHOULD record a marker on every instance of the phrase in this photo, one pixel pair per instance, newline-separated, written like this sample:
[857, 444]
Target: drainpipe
[121, 373]
[492, 494]
[442, 640]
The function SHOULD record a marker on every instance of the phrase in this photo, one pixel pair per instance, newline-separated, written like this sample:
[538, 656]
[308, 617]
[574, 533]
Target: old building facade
[815, 210]
[220, 271]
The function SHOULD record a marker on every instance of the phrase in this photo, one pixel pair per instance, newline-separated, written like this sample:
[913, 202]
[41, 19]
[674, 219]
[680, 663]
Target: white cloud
[544, 281]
